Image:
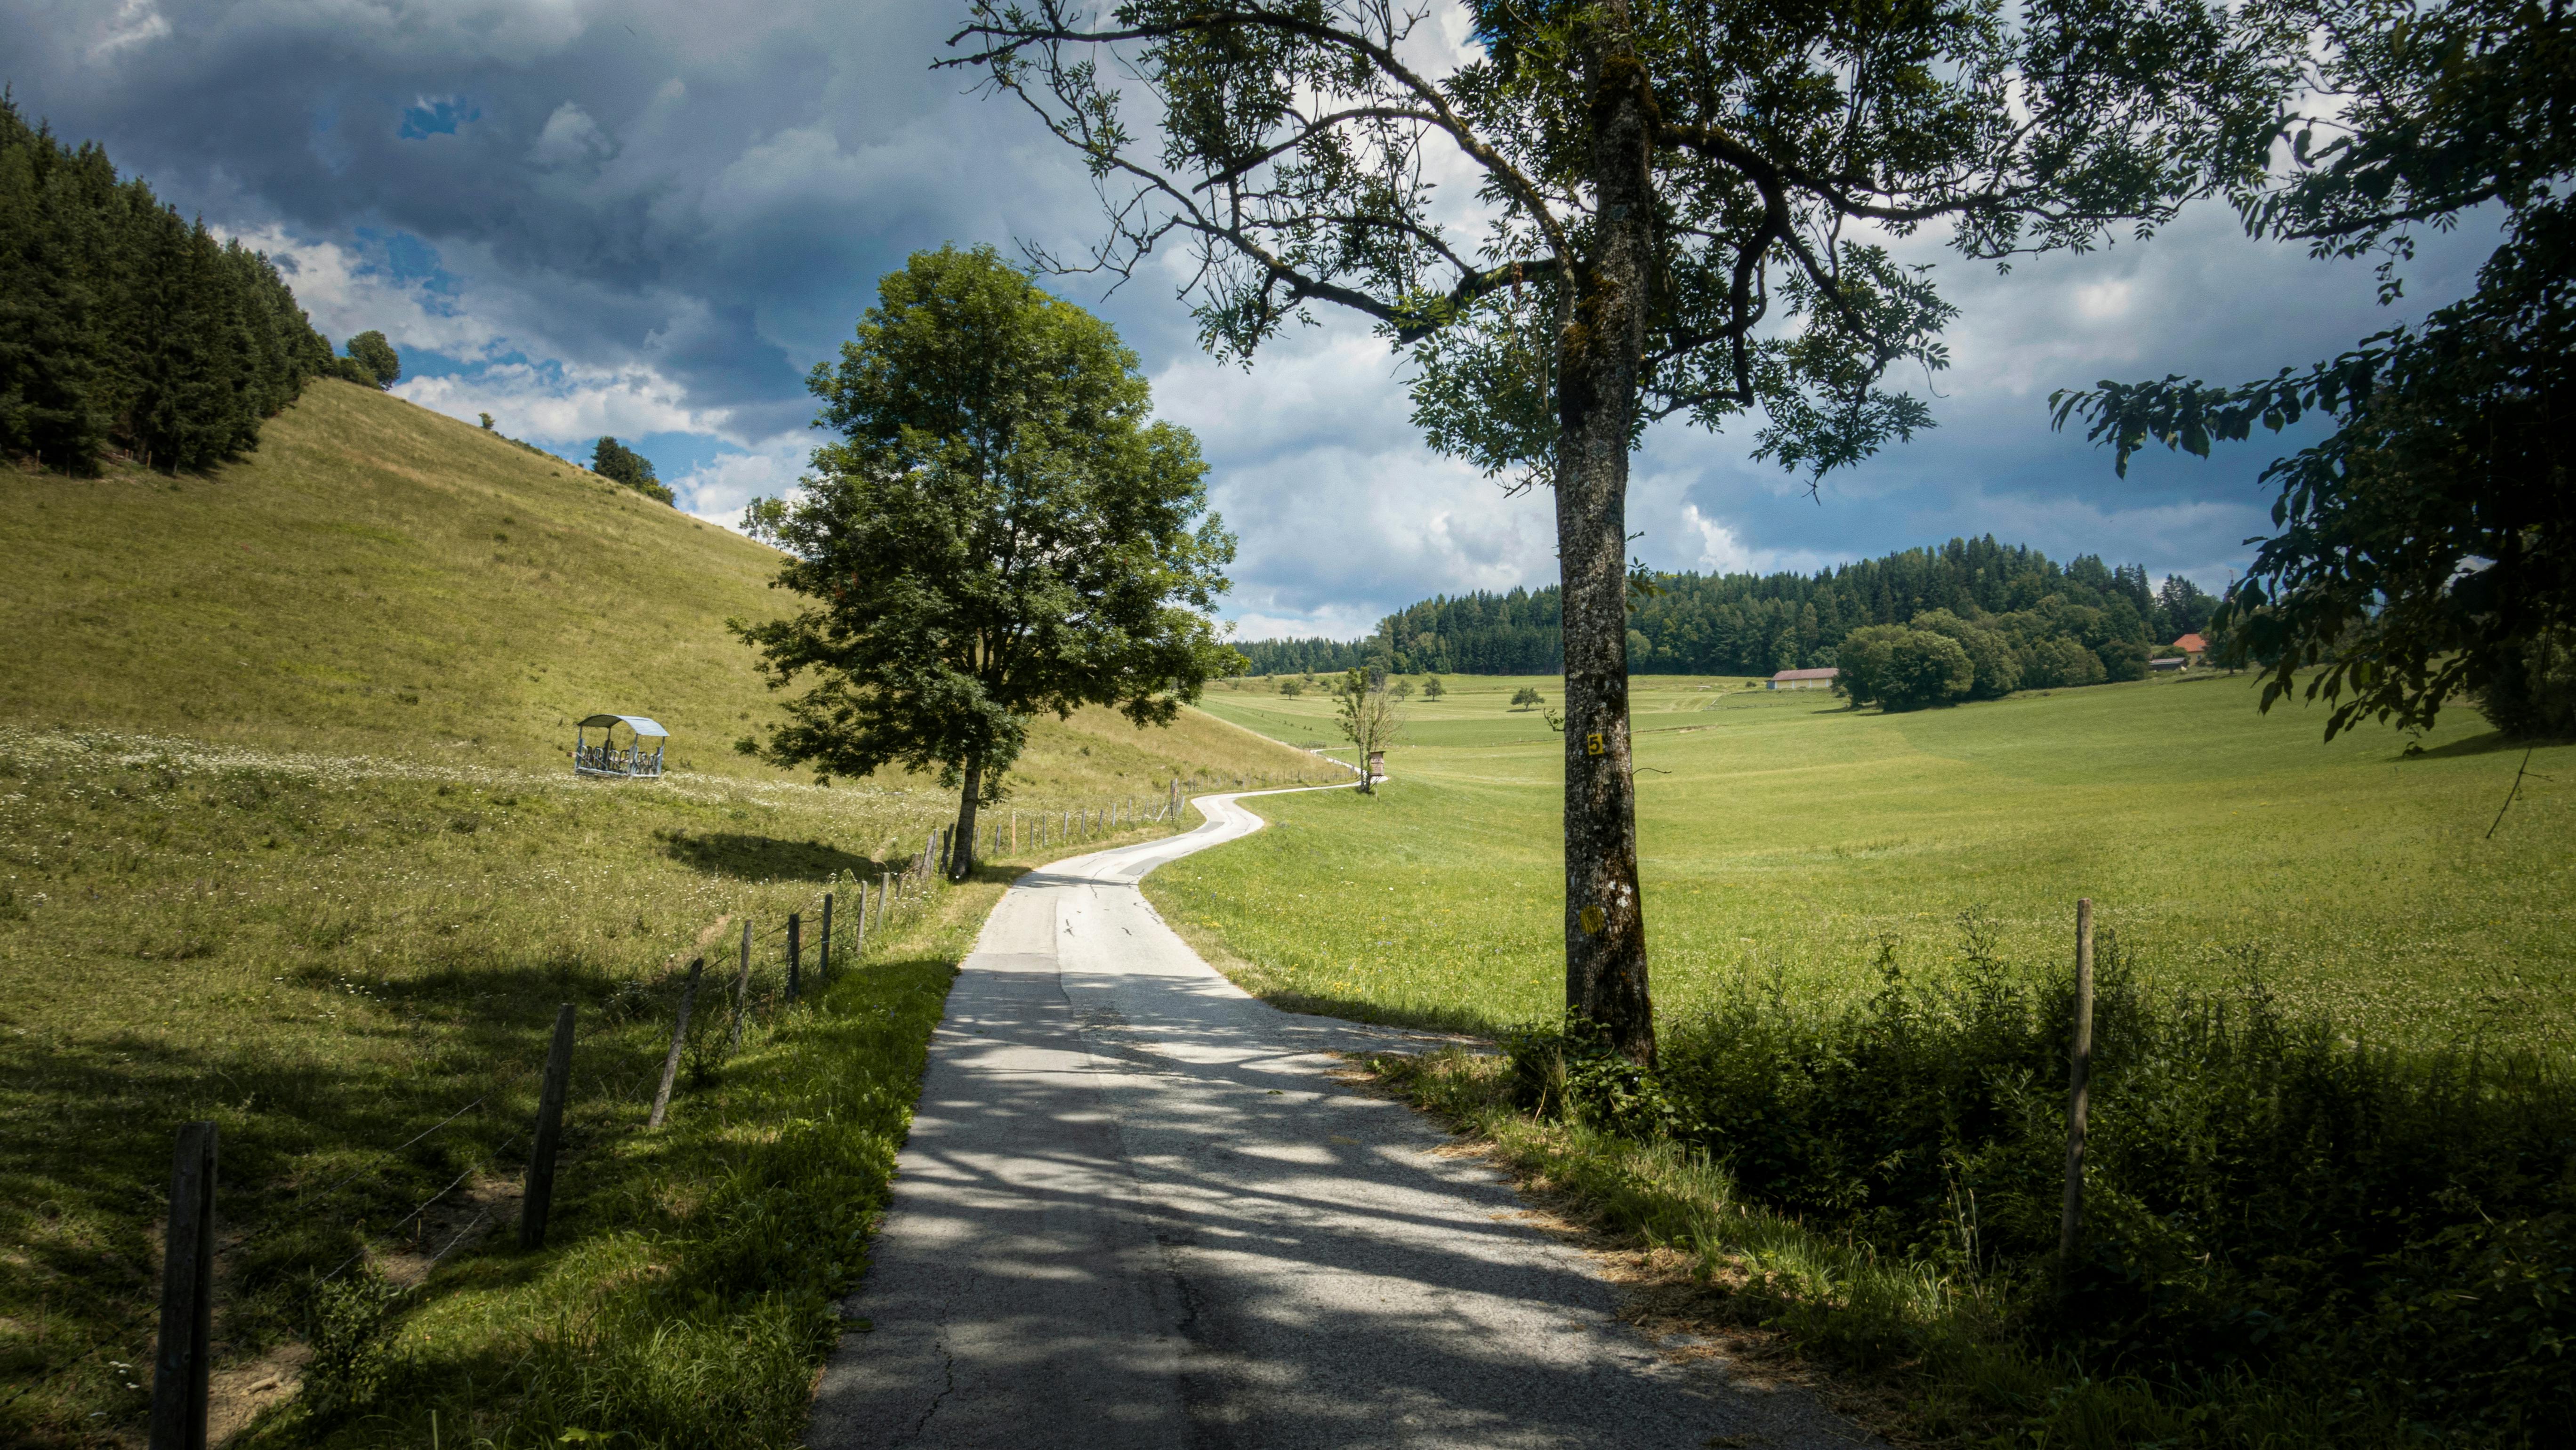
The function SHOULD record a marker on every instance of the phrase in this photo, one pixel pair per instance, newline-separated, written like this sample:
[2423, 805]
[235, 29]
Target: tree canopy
[125, 326]
[371, 361]
[1001, 528]
[1685, 212]
[2427, 544]
[622, 465]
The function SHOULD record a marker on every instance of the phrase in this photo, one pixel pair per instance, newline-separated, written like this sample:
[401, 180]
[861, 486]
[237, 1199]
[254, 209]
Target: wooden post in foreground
[679, 1039]
[741, 992]
[179, 1369]
[823, 954]
[795, 952]
[2079, 1072]
[539, 1196]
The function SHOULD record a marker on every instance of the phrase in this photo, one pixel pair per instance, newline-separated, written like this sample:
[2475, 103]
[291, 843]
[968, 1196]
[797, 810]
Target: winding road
[1138, 1209]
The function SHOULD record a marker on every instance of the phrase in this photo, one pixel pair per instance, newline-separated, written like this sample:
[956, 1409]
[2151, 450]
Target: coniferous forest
[1749, 624]
[125, 327]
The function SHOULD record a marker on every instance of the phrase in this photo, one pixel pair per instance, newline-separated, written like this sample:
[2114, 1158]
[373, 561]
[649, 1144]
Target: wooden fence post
[823, 954]
[2079, 1072]
[679, 1039]
[539, 1196]
[795, 952]
[741, 991]
[179, 1368]
[885, 888]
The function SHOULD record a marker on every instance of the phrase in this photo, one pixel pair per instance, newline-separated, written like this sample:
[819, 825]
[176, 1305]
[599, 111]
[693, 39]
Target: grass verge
[686, 1295]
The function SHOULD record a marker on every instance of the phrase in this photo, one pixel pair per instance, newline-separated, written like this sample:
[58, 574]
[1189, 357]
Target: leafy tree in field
[1432, 689]
[765, 519]
[1678, 195]
[2059, 663]
[1861, 662]
[1001, 528]
[1990, 654]
[622, 465]
[378, 365]
[1403, 689]
[1925, 669]
[1368, 717]
[1291, 688]
[486, 419]
[1526, 698]
[2427, 546]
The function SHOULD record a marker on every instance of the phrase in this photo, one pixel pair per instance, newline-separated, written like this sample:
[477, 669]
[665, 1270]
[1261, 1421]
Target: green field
[1788, 841]
[288, 841]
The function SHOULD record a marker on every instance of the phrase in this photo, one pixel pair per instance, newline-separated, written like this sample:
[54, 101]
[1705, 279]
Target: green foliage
[1898, 667]
[374, 362]
[348, 1326]
[1759, 150]
[2267, 1200]
[2531, 693]
[1432, 689]
[1527, 697]
[1756, 624]
[1002, 529]
[1995, 670]
[2430, 537]
[124, 326]
[627, 468]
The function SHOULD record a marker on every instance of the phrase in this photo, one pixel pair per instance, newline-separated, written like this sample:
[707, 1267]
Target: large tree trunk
[1599, 352]
[961, 845]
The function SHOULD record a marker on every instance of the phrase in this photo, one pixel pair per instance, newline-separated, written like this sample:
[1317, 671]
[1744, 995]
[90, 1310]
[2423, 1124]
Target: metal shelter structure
[632, 760]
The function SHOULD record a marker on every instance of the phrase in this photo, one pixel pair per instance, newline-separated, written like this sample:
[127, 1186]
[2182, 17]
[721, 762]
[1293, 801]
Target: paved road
[1136, 1210]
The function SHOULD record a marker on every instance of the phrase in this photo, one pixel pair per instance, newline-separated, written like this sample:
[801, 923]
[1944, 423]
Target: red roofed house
[2192, 646]
[1804, 679]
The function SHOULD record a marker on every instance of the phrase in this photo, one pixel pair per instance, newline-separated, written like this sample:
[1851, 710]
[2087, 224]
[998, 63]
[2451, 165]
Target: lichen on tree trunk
[1599, 351]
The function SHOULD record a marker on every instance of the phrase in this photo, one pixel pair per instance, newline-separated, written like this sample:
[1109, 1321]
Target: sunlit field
[1790, 842]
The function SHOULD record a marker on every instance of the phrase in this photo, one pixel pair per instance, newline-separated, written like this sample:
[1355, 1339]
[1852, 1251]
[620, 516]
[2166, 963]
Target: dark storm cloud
[651, 219]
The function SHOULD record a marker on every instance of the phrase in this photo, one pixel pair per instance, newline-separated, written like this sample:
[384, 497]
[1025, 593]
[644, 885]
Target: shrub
[1998, 671]
[2531, 692]
[2123, 659]
[2059, 663]
[2274, 1207]
[1925, 669]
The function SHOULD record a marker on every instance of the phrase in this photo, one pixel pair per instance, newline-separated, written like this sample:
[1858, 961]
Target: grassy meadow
[1789, 842]
[288, 841]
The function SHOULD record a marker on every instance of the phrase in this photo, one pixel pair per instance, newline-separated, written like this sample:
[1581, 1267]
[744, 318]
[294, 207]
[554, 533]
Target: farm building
[2192, 647]
[1804, 679]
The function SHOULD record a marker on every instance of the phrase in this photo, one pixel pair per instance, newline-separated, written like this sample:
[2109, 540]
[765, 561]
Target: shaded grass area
[332, 958]
[2289, 1238]
[1786, 840]
[687, 1291]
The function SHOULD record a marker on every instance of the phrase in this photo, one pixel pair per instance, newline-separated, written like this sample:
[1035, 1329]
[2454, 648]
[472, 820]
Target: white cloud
[570, 136]
[136, 22]
[717, 490]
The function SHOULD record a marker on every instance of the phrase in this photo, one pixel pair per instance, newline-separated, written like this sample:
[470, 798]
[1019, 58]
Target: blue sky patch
[435, 116]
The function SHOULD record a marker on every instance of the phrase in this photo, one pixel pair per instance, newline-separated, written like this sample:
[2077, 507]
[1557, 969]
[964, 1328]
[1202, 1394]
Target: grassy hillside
[1787, 839]
[288, 842]
[382, 579]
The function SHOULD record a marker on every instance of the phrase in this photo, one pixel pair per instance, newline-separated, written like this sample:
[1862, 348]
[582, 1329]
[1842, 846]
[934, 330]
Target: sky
[651, 219]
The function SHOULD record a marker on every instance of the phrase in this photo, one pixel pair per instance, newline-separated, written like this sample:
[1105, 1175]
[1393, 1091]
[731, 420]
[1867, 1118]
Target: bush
[2058, 664]
[2530, 692]
[371, 361]
[2274, 1208]
[1925, 669]
[1998, 671]
[2123, 659]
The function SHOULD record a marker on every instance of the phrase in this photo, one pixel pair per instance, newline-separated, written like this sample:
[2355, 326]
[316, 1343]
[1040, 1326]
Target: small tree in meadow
[1368, 717]
[1432, 689]
[1526, 698]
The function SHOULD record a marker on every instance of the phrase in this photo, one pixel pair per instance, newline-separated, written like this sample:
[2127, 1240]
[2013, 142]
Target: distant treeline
[1749, 624]
[124, 325]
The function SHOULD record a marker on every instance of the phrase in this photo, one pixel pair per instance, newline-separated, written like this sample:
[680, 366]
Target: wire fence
[833, 928]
